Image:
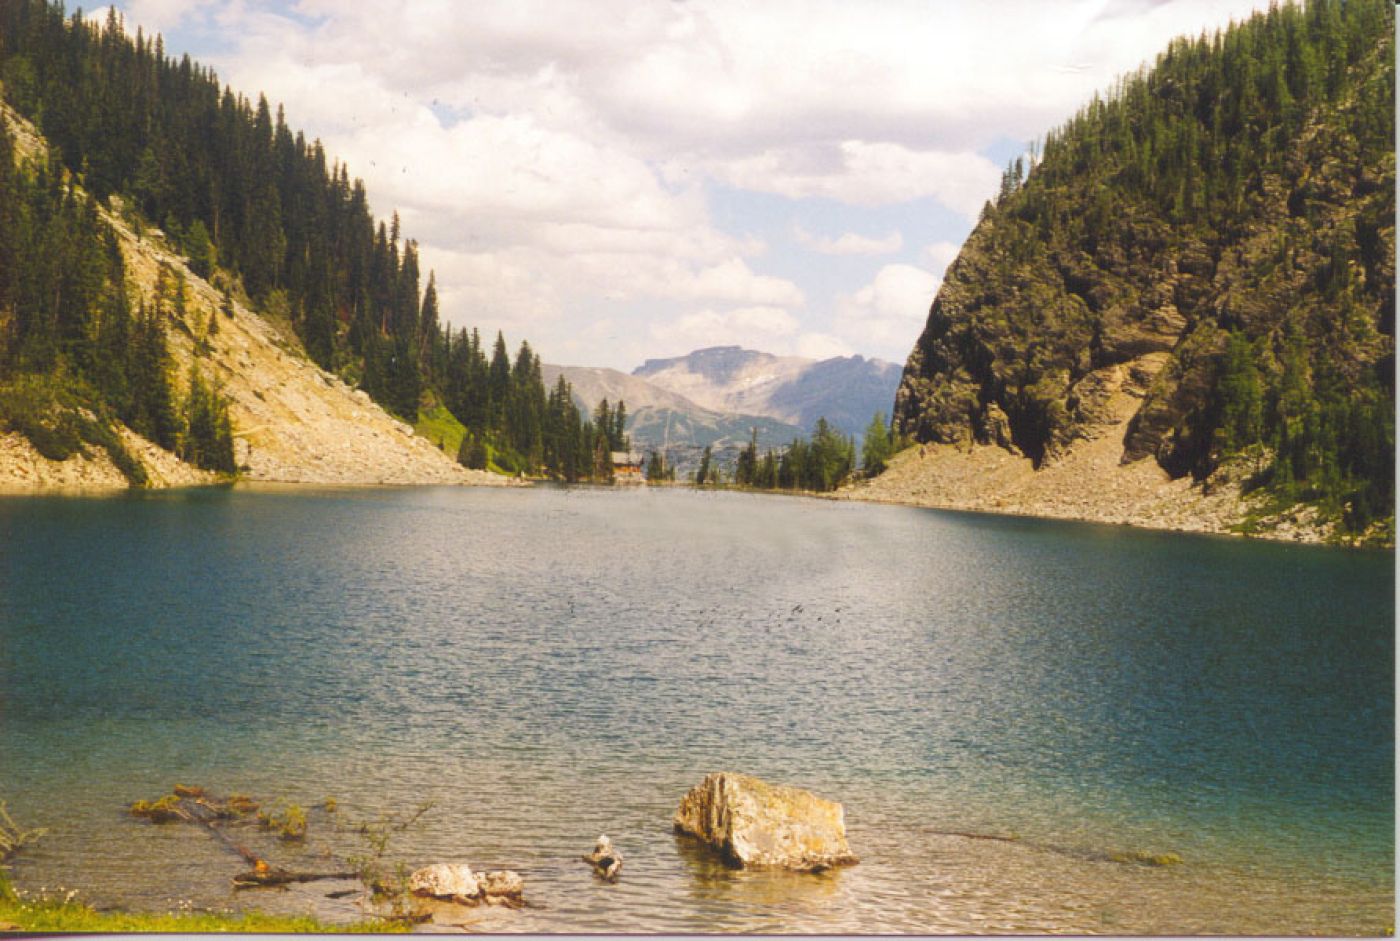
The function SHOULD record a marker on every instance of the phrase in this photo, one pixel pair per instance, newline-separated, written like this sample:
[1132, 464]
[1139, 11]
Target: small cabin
[627, 467]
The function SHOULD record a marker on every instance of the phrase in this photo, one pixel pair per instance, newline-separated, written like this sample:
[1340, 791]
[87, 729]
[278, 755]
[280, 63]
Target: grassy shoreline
[65, 913]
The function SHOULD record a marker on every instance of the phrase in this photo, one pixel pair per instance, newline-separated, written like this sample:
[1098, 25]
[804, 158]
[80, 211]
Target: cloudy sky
[621, 180]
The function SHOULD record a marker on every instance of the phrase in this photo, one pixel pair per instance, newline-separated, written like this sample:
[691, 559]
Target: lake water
[546, 665]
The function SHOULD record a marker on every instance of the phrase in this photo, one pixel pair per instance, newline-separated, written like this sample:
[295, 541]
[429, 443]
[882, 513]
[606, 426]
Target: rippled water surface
[547, 665]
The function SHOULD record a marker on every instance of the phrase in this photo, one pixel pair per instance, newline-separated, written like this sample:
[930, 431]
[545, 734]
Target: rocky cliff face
[1216, 242]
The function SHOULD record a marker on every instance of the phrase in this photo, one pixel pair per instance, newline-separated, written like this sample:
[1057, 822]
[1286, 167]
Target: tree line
[1258, 161]
[74, 354]
[238, 191]
[821, 463]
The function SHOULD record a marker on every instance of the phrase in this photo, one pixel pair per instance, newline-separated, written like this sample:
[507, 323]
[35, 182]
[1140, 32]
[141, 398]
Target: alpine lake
[546, 664]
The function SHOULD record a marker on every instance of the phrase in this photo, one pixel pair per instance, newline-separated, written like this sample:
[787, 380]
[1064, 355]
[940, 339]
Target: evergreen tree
[704, 474]
[472, 453]
[746, 470]
[234, 187]
[1241, 397]
[498, 383]
[877, 447]
[151, 408]
[656, 466]
[208, 439]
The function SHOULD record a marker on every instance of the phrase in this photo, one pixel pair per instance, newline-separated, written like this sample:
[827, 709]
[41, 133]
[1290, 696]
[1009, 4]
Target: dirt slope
[292, 421]
[1087, 482]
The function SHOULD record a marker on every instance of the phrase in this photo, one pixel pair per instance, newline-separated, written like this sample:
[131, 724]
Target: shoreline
[859, 492]
[1090, 484]
[1142, 525]
[87, 489]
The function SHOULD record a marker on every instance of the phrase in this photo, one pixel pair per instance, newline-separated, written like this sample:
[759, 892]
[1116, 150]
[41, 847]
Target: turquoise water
[547, 665]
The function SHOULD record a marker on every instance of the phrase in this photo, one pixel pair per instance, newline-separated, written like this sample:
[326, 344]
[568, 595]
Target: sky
[616, 180]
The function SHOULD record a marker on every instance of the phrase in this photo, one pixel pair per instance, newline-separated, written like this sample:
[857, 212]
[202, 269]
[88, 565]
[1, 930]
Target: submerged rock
[503, 887]
[453, 881]
[757, 825]
[1146, 859]
[605, 859]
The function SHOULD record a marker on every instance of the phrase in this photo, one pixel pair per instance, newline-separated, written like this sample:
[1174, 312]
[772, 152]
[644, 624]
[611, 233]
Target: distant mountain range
[714, 397]
[846, 390]
[658, 417]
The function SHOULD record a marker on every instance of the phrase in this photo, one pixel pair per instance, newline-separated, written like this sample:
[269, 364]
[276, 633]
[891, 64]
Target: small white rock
[502, 883]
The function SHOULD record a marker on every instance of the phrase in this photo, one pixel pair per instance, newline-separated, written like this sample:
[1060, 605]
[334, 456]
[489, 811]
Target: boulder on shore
[756, 825]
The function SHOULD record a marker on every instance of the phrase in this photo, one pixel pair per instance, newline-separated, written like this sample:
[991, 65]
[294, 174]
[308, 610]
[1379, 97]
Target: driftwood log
[193, 805]
[12, 837]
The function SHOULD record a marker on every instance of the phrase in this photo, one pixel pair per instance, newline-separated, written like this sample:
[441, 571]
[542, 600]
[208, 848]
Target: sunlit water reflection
[547, 665]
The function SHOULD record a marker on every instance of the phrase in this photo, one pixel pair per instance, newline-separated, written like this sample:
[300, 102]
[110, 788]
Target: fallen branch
[12, 838]
[193, 805]
[268, 876]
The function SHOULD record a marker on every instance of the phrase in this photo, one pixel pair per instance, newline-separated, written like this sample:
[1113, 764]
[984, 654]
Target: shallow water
[548, 664]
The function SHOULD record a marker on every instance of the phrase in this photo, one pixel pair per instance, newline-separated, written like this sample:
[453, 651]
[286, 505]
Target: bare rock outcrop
[503, 887]
[756, 825]
[446, 881]
[455, 882]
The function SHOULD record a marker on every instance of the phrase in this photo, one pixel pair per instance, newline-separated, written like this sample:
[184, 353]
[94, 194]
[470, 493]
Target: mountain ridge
[1198, 271]
[845, 390]
[659, 419]
[293, 421]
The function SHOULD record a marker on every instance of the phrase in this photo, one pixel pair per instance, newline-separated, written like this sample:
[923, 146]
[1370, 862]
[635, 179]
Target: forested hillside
[1215, 236]
[256, 209]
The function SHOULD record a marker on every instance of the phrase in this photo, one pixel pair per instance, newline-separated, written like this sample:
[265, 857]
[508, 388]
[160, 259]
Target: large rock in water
[754, 824]
[454, 881]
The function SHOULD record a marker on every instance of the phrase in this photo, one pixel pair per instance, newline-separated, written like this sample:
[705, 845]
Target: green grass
[440, 427]
[66, 914]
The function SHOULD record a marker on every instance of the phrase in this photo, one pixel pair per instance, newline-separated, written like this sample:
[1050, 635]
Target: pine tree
[498, 382]
[704, 474]
[746, 470]
[656, 467]
[618, 440]
[208, 439]
[877, 447]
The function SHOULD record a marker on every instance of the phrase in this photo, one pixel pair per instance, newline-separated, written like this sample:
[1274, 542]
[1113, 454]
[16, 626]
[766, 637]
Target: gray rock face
[754, 824]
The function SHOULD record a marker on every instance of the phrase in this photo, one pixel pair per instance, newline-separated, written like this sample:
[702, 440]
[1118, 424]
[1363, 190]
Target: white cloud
[734, 281]
[554, 158]
[849, 243]
[886, 315]
[822, 346]
[865, 173]
[161, 15]
[940, 255]
[763, 328]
